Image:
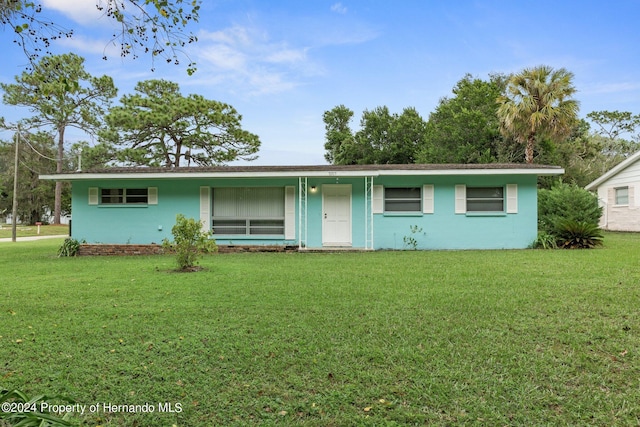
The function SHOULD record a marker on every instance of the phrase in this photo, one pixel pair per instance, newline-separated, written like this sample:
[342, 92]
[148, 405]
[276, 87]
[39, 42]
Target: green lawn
[487, 338]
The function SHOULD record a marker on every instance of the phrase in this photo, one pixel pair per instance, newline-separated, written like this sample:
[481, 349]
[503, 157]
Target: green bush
[189, 241]
[578, 235]
[564, 202]
[545, 241]
[70, 247]
[20, 410]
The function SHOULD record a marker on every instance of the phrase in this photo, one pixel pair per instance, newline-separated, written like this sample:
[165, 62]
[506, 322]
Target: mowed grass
[485, 338]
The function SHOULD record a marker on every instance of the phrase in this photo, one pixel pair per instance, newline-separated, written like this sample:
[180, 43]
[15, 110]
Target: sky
[282, 63]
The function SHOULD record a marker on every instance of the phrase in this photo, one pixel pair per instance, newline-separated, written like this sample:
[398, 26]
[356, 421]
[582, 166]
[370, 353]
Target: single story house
[619, 195]
[415, 206]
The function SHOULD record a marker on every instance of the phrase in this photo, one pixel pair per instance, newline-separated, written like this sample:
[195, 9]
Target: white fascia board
[189, 175]
[460, 172]
[299, 173]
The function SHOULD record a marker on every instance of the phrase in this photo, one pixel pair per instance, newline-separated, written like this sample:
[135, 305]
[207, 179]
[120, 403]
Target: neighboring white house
[619, 195]
[47, 217]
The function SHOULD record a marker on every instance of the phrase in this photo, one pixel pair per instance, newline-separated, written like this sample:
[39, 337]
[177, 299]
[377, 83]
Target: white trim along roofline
[327, 171]
[613, 171]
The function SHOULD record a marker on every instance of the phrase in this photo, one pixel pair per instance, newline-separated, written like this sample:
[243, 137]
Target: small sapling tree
[189, 242]
[410, 241]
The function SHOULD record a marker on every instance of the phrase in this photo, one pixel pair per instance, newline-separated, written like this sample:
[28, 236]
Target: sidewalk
[27, 239]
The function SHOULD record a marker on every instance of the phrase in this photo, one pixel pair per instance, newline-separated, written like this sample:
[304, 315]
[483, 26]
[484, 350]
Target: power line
[39, 153]
[25, 165]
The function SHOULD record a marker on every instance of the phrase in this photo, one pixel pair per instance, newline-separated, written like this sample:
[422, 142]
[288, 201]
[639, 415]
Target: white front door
[336, 214]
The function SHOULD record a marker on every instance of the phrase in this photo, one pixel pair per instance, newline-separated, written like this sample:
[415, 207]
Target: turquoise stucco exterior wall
[441, 230]
[444, 229]
[131, 224]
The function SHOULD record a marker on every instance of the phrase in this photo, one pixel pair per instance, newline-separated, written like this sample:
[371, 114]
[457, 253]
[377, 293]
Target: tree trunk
[528, 149]
[57, 204]
[34, 217]
[178, 154]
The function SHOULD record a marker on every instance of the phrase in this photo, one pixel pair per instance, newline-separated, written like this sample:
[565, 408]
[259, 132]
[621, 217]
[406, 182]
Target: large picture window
[402, 199]
[124, 196]
[485, 199]
[248, 211]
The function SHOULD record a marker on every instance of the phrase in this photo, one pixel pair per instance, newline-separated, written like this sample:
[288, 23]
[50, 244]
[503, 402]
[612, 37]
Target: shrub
[410, 241]
[566, 202]
[20, 410]
[578, 235]
[70, 247]
[545, 241]
[189, 242]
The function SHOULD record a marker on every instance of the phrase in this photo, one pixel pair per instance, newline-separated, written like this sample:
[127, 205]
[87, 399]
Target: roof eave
[452, 172]
[84, 176]
[592, 186]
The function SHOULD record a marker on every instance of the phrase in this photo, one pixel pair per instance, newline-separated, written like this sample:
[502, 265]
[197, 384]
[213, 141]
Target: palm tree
[538, 103]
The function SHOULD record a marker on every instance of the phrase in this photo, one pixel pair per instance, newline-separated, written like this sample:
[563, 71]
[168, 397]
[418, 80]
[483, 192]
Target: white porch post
[302, 212]
[368, 212]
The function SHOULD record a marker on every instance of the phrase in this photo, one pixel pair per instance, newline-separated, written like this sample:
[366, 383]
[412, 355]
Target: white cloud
[251, 58]
[266, 82]
[607, 88]
[246, 57]
[285, 55]
[339, 8]
[100, 48]
[81, 11]
[224, 57]
[233, 36]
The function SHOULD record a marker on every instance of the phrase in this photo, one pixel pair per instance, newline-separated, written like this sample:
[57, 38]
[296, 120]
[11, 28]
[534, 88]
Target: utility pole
[14, 210]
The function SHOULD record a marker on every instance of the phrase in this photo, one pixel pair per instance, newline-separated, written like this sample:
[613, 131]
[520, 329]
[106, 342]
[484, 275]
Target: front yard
[522, 337]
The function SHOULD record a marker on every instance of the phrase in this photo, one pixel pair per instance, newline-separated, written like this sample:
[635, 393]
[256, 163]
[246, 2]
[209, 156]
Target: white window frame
[428, 200]
[618, 196]
[417, 199]
[252, 225]
[123, 197]
[485, 199]
[509, 199]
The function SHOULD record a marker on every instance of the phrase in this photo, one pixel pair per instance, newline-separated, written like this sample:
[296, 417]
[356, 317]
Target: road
[26, 239]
